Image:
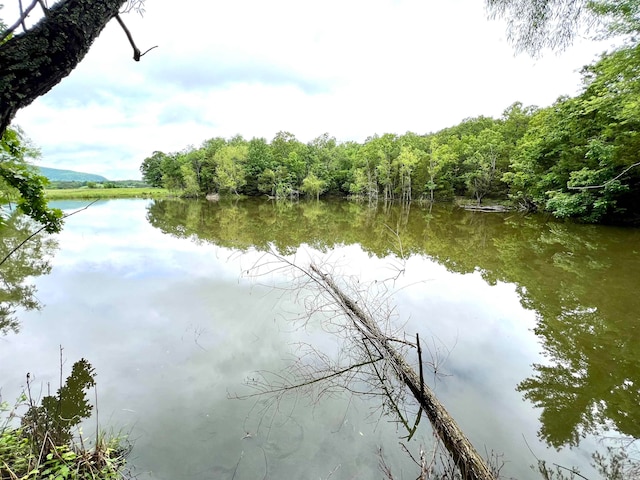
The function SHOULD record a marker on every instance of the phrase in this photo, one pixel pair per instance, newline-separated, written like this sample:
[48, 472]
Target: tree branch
[470, 463]
[33, 62]
[136, 51]
[40, 230]
[23, 15]
[310, 382]
[607, 182]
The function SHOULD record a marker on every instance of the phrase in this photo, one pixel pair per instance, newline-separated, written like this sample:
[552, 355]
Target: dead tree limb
[471, 464]
[136, 51]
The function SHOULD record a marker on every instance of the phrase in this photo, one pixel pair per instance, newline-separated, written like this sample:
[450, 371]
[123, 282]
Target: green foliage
[31, 198]
[619, 17]
[534, 25]
[43, 446]
[27, 261]
[151, 169]
[19, 182]
[577, 159]
[92, 194]
[313, 186]
[3, 26]
[230, 167]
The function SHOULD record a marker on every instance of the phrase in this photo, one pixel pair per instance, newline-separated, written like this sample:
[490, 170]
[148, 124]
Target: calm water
[533, 326]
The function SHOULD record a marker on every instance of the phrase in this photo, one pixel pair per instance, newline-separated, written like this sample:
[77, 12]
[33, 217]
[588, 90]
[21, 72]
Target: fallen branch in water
[471, 464]
[370, 359]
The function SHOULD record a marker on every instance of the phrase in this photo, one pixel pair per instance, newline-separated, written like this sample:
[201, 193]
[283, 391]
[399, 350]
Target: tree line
[577, 158]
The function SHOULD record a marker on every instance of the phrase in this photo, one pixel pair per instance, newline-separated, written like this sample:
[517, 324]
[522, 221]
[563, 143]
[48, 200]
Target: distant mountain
[57, 175]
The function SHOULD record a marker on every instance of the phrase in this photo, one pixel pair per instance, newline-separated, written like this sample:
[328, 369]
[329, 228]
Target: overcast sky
[351, 68]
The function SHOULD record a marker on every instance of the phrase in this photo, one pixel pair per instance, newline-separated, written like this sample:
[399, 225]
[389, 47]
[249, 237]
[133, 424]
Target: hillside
[58, 175]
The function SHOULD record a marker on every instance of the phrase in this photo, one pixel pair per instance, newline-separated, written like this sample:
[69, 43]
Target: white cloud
[351, 69]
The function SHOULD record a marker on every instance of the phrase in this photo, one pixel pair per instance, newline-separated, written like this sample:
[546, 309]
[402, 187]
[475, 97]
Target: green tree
[323, 162]
[579, 158]
[193, 164]
[405, 164]
[486, 162]
[442, 159]
[267, 182]
[151, 169]
[387, 149]
[172, 173]
[344, 160]
[209, 149]
[230, 173]
[289, 157]
[19, 181]
[190, 187]
[313, 186]
[259, 160]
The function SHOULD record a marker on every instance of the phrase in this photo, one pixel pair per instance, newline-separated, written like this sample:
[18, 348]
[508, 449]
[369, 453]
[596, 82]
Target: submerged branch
[296, 386]
[470, 463]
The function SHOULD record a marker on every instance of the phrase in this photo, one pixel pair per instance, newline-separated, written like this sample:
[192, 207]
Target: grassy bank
[24, 457]
[42, 439]
[92, 193]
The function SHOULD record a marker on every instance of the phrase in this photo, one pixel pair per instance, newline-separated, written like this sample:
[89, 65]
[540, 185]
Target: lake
[531, 326]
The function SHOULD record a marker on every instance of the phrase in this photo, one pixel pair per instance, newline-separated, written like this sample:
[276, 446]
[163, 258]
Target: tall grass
[92, 193]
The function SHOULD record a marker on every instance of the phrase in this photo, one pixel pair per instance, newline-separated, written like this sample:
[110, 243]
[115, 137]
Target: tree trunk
[33, 62]
[467, 459]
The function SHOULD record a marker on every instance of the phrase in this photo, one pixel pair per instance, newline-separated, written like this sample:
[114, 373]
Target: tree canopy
[534, 25]
[575, 159]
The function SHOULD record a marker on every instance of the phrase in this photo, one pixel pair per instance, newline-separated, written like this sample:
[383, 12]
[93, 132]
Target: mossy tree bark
[33, 62]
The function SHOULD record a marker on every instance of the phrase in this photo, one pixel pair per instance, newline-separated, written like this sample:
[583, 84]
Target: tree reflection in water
[30, 260]
[579, 279]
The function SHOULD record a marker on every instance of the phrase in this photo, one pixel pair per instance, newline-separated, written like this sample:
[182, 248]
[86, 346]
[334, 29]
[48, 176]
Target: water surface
[531, 323]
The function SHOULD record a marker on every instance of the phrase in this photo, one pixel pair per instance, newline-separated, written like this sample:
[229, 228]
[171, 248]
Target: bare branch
[287, 386]
[20, 21]
[136, 51]
[40, 230]
[462, 451]
[45, 8]
[364, 337]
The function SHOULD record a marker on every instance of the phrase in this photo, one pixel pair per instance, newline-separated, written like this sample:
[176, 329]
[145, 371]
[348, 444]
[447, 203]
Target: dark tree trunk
[35, 61]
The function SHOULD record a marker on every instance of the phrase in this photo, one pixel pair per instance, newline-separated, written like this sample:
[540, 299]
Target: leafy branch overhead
[533, 26]
[19, 181]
